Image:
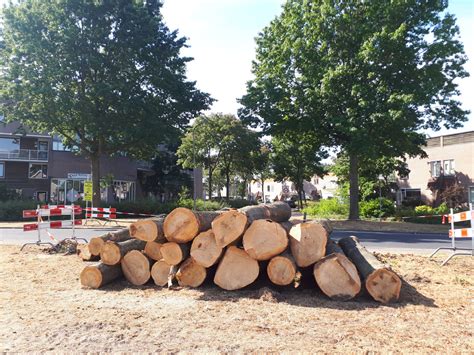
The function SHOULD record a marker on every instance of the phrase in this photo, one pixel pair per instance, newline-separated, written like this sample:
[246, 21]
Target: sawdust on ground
[43, 308]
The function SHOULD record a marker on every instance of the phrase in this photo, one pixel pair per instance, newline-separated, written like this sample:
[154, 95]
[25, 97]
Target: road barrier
[459, 233]
[52, 211]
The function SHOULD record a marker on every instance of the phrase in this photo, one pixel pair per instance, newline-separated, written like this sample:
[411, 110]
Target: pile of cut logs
[234, 247]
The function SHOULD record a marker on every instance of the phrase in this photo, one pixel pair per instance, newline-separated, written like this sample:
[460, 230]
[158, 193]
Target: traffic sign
[88, 191]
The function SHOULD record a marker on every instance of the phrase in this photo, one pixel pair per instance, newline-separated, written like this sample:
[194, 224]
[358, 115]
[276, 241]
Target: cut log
[153, 250]
[308, 242]
[336, 275]
[282, 269]
[148, 230]
[229, 227]
[279, 211]
[174, 253]
[191, 274]
[98, 275]
[159, 272]
[96, 243]
[236, 270]
[136, 267]
[182, 224]
[84, 253]
[204, 249]
[379, 280]
[265, 239]
[112, 252]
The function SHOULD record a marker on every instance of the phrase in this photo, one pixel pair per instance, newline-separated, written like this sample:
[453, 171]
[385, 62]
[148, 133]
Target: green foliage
[424, 210]
[366, 76]
[372, 208]
[7, 194]
[12, 210]
[442, 208]
[202, 205]
[330, 208]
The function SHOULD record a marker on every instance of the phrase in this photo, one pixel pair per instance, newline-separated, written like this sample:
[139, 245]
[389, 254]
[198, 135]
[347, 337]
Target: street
[374, 241]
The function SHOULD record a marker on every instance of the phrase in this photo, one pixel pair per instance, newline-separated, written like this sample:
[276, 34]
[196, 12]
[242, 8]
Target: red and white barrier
[101, 215]
[58, 211]
[112, 212]
[461, 216]
[51, 225]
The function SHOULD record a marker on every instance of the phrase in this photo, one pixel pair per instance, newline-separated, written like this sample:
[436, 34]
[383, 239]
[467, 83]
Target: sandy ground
[43, 308]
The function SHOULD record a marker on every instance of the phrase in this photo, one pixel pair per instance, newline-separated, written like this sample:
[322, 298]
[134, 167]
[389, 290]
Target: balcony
[24, 155]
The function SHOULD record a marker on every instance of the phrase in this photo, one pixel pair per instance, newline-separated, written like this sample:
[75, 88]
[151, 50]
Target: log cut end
[337, 277]
[181, 225]
[147, 230]
[191, 274]
[384, 285]
[136, 267]
[265, 239]
[173, 253]
[236, 270]
[84, 253]
[91, 277]
[205, 250]
[159, 272]
[228, 227]
[281, 270]
[308, 243]
[153, 250]
[110, 253]
[95, 245]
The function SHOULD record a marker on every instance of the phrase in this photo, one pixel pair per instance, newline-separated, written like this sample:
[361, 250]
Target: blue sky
[221, 37]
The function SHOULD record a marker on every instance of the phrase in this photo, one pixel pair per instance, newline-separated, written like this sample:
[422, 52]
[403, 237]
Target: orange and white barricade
[459, 233]
[51, 211]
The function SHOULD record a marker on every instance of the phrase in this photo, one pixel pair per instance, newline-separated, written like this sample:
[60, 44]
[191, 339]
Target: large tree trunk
[204, 249]
[95, 169]
[209, 181]
[98, 275]
[96, 243]
[174, 253]
[227, 185]
[336, 275]
[182, 224]
[263, 190]
[308, 242]
[84, 253]
[236, 270]
[136, 267]
[265, 239]
[231, 225]
[153, 250]
[282, 269]
[112, 252]
[191, 274]
[380, 281]
[353, 187]
[149, 230]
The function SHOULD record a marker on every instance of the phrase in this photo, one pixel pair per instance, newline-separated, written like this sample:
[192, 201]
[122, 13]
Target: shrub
[424, 210]
[13, 210]
[442, 209]
[371, 208]
[327, 208]
[202, 205]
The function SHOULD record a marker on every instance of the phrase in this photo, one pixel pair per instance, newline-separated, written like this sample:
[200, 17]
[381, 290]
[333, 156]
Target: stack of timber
[232, 248]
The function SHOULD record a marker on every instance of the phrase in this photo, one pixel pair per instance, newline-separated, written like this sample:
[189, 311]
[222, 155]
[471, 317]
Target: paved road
[375, 241]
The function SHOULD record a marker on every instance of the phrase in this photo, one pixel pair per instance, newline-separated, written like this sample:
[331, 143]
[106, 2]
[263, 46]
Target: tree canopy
[365, 76]
[107, 76]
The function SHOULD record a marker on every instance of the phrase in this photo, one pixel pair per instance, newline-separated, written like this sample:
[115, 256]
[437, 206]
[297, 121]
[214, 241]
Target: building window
[471, 195]
[9, 144]
[411, 194]
[124, 190]
[38, 171]
[435, 168]
[2, 170]
[59, 146]
[448, 167]
[268, 188]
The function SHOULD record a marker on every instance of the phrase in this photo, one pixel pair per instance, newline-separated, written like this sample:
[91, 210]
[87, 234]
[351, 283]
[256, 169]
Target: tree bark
[136, 267]
[95, 170]
[353, 187]
[182, 224]
[227, 185]
[204, 249]
[112, 252]
[308, 242]
[96, 243]
[153, 250]
[236, 270]
[281, 269]
[380, 281]
[336, 275]
[191, 274]
[98, 275]
[265, 239]
[209, 181]
[148, 230]
[174, 253]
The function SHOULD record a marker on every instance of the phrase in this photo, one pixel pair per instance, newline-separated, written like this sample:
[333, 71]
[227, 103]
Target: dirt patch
[43, 308]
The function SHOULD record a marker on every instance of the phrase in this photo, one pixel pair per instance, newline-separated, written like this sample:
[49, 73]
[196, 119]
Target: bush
[13, 210]
[327, 208]
[201, 205]
[442, 209]
[371, 208]
[424, 210]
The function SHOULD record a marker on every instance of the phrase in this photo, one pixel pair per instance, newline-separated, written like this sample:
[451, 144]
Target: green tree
[365, 75]
[107, 76]
[296, 157]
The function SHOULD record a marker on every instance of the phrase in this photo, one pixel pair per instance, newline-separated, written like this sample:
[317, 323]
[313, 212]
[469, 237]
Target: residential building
[450, 156]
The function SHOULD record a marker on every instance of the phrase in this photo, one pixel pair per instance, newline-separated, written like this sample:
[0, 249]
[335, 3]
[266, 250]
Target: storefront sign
[79, 176]
[88, 191]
